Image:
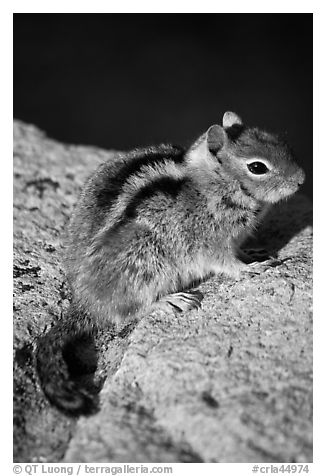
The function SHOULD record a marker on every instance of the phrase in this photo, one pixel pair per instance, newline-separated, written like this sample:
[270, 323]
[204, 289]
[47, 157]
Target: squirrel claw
[185, 301]
[259, 267]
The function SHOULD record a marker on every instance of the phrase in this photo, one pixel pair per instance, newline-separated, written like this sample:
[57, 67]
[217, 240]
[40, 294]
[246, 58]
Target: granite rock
[231, 382]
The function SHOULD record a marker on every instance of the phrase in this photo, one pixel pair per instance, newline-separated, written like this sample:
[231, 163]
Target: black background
[125, 80]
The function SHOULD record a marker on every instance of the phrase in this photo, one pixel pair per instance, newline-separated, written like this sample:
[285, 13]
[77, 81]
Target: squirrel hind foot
[183, 301]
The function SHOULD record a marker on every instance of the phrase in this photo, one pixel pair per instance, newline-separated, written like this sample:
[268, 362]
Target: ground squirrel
[154, 221]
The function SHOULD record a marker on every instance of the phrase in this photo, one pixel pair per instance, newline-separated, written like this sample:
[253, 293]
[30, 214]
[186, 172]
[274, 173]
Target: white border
[95, 6]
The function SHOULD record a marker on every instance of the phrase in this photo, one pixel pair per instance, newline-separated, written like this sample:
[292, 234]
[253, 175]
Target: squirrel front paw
[259, 267]
[254, 261]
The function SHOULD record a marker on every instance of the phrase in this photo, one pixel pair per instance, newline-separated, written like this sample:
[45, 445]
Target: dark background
[125, 80]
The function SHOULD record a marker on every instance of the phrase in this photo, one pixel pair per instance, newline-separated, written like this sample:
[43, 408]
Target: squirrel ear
[231, 119]
[211, 141]
[215, 137]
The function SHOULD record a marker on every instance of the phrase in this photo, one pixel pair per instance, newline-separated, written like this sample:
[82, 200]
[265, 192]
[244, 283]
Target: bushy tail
[64, 379]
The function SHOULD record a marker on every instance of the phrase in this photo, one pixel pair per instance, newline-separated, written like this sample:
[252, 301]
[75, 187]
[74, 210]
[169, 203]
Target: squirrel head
[260, 163]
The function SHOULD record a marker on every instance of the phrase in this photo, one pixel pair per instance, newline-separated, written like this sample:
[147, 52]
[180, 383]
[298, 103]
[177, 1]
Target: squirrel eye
[257, 168]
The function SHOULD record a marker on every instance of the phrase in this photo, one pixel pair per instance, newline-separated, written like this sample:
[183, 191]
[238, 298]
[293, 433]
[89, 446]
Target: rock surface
[231, 382]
